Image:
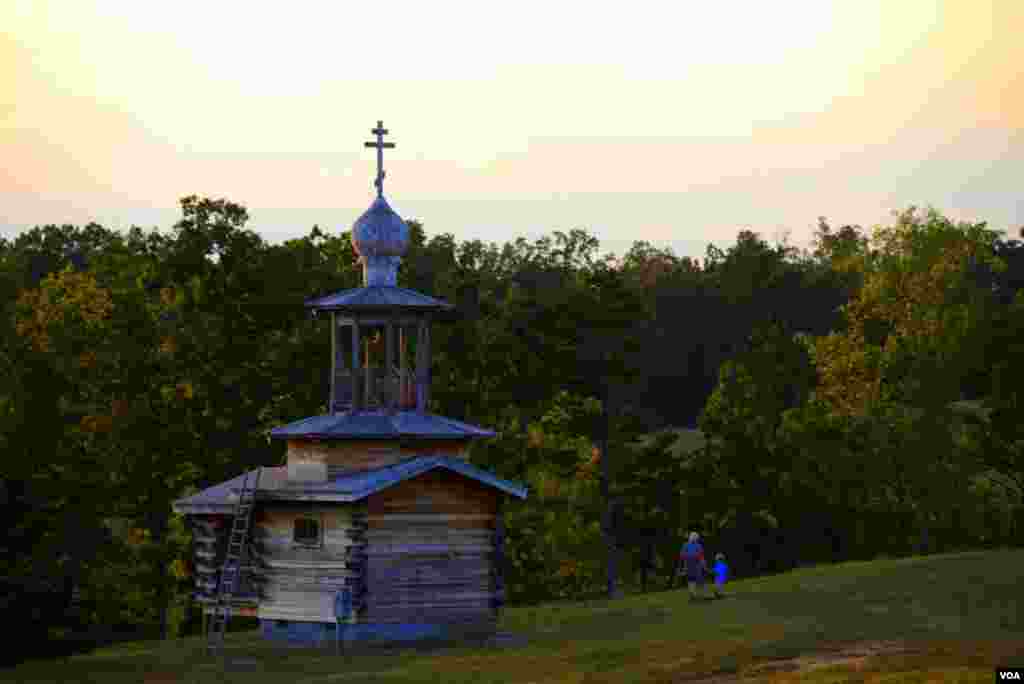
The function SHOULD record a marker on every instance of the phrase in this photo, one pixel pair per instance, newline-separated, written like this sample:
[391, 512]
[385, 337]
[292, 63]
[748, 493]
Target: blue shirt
[721, 571]
[693, 551]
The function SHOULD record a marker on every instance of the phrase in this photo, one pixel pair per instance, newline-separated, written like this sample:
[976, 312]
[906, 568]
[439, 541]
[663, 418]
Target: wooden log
[499, 548]
[434, 486]
[441, 549]
[345, 457]
[328, 584]
[301, 555]
[388, 366]
[451, 548]
[334, 362]
[427, 524]
[358, 456]
[414, 574]
[428, 594]
[457, 570]
[458, 520]
[433, 492]
[454, 570]
[409, 573]
[310, 583]
[427, 503]
[301, 581]
[427, 562]
[298, 561]
[390, 562]
[309, 578]
[388, 536]
[427, 507]
[357, 399]
[210, 526]
[275, 566]
[439, 588]
[430, 550]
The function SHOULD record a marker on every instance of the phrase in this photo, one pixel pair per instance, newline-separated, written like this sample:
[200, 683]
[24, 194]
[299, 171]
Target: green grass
[956, 615]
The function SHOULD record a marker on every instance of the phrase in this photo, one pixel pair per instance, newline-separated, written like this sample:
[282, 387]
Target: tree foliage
[141, 366]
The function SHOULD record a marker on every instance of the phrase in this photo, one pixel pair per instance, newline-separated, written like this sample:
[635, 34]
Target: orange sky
[678, 127]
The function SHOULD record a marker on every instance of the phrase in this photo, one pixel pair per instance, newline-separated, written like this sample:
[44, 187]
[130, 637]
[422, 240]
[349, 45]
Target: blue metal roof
[215, 498]
[346, 488]
[380, 231]
[380, 425]
[362, 484]
[377, 298]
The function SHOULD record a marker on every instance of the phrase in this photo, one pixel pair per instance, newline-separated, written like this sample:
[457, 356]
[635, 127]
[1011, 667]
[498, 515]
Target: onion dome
[380, 237]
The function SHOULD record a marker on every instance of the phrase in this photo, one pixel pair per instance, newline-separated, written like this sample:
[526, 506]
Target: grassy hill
[938, 618]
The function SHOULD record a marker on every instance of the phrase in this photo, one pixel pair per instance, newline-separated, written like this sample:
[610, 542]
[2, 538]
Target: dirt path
[853, 655]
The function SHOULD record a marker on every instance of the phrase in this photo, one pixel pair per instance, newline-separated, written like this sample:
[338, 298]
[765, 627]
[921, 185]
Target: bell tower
[380, 360]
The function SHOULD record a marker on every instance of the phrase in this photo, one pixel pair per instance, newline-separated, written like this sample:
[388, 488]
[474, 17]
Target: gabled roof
[345, 488]
[379, 298]
[214, 499]
[380, 425]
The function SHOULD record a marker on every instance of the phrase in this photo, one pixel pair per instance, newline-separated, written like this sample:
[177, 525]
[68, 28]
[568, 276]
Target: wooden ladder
[229, 574]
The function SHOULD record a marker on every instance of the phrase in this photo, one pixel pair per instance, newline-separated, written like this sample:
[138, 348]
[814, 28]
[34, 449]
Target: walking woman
[693, 555]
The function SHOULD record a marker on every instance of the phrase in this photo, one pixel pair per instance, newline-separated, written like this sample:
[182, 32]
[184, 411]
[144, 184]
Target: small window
[307, 532]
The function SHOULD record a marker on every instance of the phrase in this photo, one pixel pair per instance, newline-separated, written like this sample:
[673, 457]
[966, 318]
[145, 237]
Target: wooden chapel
[377, 499]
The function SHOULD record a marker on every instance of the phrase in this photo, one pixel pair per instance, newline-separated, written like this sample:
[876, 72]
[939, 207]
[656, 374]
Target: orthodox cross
[380, 132]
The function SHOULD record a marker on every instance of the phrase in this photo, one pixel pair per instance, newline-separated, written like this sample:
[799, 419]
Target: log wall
[209, 545]
[430, 551]
[306, 456]
[300, 580]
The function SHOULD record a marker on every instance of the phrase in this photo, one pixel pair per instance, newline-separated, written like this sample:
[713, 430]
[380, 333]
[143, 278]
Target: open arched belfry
[377, 501]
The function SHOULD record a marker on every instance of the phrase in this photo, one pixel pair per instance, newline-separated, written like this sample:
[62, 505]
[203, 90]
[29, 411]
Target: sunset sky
[679, 123]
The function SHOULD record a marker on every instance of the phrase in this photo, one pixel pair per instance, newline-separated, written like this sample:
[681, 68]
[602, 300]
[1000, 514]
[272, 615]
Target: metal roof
[380, 231]
[379, 298]
[213, 499]
[380, 425]
[345, 488]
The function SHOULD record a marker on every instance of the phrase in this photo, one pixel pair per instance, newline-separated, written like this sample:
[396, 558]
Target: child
[721, 571]
[693, 555]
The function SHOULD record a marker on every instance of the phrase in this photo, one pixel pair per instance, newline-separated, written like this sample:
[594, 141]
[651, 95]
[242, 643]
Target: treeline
[857, 399]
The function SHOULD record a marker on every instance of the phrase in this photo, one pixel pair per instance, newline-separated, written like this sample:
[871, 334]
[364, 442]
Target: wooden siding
[301, 581]
[436, 491]
[499, 556]
[356, 456]
[430, 551]
[236, 610]
[209, 544]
